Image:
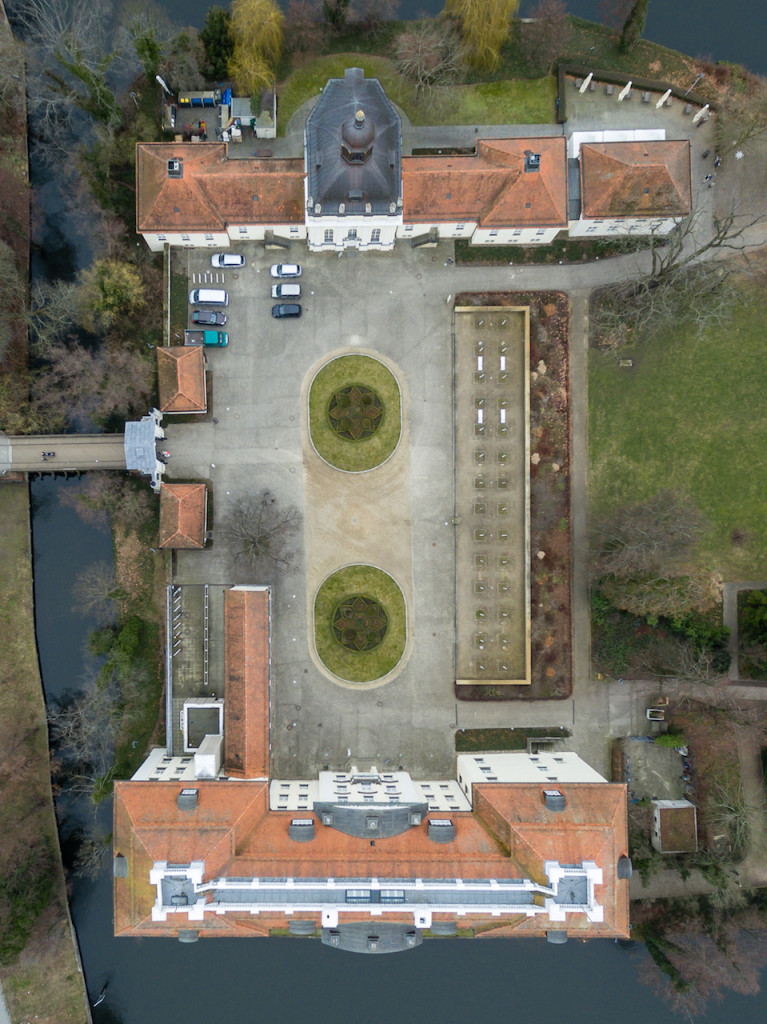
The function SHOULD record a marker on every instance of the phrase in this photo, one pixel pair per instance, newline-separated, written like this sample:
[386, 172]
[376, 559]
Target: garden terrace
[492, 495]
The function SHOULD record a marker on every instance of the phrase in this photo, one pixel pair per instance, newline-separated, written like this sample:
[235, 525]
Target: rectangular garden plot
[492, 425]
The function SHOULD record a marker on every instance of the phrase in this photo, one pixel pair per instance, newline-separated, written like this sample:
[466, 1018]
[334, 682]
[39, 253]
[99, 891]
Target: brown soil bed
[551, 629]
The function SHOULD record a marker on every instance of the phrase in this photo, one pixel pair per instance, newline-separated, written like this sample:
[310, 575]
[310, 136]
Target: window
[162, 238]
[351, 235]
[540, 231]
[294, 231]
[493, 234]
[375, 235]
[209, 238]
[357, 896]
[243, 231]
[517, 231]
[185, 238]
[459, 227]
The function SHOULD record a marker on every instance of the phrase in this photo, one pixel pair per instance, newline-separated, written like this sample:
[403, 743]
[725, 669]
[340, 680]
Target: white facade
[334, 234]
[159, 766]
[612, 226]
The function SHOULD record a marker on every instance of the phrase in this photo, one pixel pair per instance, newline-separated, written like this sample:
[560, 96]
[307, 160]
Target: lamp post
[701, 75]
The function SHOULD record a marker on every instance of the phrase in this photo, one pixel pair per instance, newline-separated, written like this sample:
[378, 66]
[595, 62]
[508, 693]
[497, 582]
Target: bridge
[136, 449]
[61, 453]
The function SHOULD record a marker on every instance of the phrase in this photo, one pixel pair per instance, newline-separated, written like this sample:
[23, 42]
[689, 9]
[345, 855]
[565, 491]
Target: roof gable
[635, 179]
[182, 515]
[492, 187]
[213, 191]
[181, 379]
[246, 671]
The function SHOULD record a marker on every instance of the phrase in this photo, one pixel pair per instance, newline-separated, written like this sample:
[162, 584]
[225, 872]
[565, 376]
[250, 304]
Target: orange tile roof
[491, 187]
[181, 379]
[183, 509]
[214, 191]
[592, 827]
[635, 179]
[235, 833]
[246, 687]
[149, 827]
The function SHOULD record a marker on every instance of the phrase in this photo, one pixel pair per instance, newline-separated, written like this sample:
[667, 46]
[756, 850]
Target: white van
[209, 297]
[286, 290]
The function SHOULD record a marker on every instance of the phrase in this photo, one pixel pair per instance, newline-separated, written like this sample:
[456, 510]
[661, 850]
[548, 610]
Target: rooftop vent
[175, 168]
[532, 161]
[372, 822]
[301, 926]
[327, 817]
[301, 830]
[187, 800]
[318, 158]
[625, 868]
[441, 830]
[554, 800]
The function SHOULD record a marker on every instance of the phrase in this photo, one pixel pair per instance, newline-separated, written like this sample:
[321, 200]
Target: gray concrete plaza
[254, 439]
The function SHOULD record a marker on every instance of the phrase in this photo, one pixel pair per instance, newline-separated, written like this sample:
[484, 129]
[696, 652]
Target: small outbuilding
[674, 826]
[183, 515]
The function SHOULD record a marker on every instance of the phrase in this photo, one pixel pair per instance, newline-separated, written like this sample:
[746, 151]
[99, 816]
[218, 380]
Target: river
[292, 980]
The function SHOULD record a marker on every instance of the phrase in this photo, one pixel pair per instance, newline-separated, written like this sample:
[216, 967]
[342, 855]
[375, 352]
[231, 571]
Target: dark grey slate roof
[140, 445]
[177, 892]
[371, 187]
[573, 889]
[372, 937]
[625, 867]
[370, 820]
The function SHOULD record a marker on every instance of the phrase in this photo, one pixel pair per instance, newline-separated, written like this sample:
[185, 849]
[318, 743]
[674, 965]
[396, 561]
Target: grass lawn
[367, 453]
[561, 250]
[690, 416]
[363, 666]
[469, 740]
[519, 102]
[38, 967]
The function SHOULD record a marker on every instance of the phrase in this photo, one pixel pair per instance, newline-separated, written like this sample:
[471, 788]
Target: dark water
[709, 28]
[289, 980]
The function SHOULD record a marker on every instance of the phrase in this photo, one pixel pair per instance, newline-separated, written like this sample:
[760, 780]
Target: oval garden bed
[360, 627]
[354, 413]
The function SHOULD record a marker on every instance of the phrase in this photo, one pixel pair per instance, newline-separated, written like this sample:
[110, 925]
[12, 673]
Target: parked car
[284, 309]
[209, 297]
[285, 270]
[217, 338]
[286, 291]
[208, 316]
[227, 259]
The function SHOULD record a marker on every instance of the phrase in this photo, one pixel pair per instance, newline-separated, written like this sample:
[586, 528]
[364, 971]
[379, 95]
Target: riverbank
[42, 979]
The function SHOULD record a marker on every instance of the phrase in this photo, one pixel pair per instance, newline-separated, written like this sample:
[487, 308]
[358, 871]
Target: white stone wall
[617, 226]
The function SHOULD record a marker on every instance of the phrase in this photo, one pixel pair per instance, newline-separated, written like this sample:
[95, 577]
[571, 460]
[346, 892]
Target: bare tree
[52, 313]
[643, 536]
[430, 53]
[78, 383]
[83, 731]
[11, 70]
[112, 494]
[547, 35]
[259, 532]
[371, 16]
[92, 851]
[742, 110]
[96, 593]
[687, 280]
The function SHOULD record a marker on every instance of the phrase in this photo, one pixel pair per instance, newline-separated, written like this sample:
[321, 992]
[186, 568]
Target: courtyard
[399, 517]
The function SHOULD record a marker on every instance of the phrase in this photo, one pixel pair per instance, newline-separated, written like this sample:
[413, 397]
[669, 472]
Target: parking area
[396, 306]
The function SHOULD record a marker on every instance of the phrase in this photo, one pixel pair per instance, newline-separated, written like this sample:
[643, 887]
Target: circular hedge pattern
[354, 398]
[355, 412]
[359, 623]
